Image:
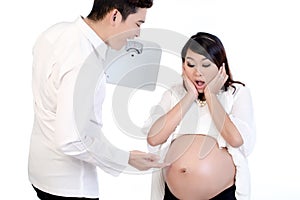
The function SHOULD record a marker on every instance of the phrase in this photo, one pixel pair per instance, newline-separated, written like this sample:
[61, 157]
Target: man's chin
[117, 45]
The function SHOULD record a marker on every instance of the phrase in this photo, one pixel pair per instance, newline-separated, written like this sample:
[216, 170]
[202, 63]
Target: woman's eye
[138, 25]
[206, 65]
[190, 65]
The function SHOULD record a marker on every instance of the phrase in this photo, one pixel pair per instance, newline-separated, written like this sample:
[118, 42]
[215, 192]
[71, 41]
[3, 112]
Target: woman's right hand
[189, 86]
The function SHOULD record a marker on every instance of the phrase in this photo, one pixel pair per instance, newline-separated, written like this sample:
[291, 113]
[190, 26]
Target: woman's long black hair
[212, 48]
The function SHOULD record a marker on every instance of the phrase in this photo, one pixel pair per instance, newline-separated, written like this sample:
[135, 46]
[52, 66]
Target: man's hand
[144, 161]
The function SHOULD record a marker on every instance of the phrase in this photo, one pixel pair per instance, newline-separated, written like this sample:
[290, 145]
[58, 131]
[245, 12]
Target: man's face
[128, 29]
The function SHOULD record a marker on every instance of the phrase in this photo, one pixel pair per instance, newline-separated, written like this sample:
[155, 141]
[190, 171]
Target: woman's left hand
[217, 82]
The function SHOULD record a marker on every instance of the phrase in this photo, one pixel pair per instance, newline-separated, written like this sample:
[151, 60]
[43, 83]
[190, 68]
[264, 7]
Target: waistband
[227, 194]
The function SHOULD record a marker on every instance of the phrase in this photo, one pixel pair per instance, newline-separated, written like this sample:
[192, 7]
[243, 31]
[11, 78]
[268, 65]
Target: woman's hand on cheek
[214, 86]
[189, 86]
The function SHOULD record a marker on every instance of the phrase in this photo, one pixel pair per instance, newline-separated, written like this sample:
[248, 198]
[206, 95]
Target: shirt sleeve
[243, 118]
[164, 105]
[78, 129]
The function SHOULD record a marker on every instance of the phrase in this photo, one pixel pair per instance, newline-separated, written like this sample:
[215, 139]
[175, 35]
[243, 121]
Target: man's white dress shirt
[68, 89]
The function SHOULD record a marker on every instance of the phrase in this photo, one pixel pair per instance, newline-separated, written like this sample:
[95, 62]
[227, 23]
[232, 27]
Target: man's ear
[115, 16]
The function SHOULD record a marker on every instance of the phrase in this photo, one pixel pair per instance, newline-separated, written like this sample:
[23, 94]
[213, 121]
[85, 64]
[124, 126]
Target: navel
[183, 170]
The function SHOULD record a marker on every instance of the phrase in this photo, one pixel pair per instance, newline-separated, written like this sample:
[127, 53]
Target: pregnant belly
[199, 169]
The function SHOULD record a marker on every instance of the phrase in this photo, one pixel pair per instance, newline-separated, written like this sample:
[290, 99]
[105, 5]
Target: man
[68, 88]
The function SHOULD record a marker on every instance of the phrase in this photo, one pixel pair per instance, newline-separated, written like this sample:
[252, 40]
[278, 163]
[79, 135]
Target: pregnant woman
[204, 128]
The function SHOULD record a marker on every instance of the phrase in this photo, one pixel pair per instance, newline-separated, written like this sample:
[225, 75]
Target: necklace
[200, 103]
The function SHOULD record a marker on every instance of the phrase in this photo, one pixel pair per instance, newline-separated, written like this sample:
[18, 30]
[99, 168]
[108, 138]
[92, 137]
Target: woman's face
[199, 69]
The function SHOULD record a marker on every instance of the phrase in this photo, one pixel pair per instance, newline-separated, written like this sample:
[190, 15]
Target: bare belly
[199, 169]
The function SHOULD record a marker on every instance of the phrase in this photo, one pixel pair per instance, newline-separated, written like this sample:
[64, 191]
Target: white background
[262, 43]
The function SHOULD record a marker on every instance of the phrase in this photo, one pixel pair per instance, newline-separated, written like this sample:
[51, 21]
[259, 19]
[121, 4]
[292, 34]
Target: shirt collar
[98, 44]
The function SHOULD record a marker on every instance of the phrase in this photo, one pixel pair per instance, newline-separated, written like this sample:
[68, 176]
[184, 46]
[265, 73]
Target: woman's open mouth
[200, 84]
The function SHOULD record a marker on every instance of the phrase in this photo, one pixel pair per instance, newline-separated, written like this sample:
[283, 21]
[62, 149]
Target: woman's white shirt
[237, 103]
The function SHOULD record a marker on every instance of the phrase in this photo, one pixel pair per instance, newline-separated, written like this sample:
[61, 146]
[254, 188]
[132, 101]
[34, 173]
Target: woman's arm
[221, 119]
[166, 124]
[223, 123]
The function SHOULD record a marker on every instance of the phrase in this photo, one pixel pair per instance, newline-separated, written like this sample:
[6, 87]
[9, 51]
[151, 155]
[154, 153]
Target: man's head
[126, 7]
[115, 21]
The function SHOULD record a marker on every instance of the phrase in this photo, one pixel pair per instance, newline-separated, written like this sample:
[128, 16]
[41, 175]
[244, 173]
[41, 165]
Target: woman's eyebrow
[190, 58]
